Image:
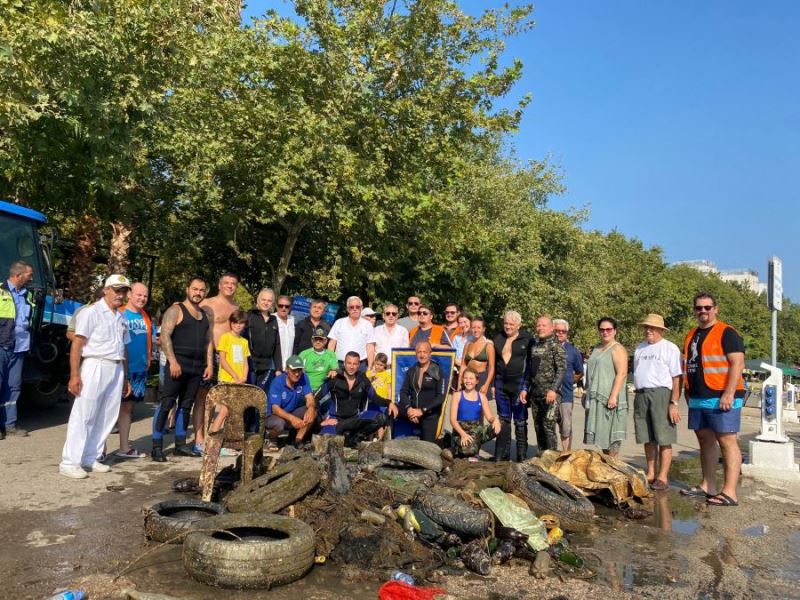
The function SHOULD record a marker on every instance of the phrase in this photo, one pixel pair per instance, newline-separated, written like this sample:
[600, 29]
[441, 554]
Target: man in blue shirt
[140, 349]
[16, 310]
[290, 404]
[572, 375]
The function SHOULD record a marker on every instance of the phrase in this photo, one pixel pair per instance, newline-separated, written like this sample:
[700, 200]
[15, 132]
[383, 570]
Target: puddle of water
[756, 531]
[685, 527]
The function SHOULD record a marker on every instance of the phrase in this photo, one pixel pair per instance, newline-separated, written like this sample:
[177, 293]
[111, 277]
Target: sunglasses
[450, 312]
[605, 329]
[284, 306]
[387, 313]
[413, 304]
[371, 316]
[704, 307]
[560, 330]
[424, 312]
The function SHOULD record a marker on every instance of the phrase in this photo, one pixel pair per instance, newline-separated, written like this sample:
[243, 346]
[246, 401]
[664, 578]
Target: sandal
[131, 453]
[721, 499]
[695, 492]
[659, 485]
[229, 452]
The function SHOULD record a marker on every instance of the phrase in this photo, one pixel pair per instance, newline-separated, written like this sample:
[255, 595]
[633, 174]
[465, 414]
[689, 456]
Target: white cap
[117, 282]
[367, 312]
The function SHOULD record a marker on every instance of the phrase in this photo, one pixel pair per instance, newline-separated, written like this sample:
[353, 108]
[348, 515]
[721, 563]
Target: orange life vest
[149, 324]
[715, 363]
[435, 339]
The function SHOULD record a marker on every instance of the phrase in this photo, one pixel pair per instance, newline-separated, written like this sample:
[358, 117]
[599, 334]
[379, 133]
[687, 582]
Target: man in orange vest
[714, 361]
[427, 331]
[140, 350]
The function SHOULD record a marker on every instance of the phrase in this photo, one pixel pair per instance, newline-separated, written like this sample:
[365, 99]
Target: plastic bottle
[404, 577]
[69, 595]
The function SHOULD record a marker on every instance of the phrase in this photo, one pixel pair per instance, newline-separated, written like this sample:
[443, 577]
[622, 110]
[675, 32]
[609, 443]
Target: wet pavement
[56, 532]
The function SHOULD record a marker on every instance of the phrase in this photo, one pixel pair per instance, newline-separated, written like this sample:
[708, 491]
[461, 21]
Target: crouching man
[290, 404]
[351, 392]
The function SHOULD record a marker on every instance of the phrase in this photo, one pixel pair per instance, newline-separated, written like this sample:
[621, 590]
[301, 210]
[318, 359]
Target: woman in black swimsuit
[479, 356]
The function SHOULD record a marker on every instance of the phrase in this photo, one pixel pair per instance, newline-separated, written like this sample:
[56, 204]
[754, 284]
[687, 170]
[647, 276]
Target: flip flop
[695, 492]
[721, 499]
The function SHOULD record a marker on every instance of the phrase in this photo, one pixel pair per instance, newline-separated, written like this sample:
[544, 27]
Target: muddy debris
[406, 505]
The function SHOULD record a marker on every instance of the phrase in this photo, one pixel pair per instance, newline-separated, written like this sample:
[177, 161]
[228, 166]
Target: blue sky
[676, 123]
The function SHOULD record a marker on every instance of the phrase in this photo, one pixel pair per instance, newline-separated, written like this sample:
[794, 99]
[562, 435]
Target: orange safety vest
[149, 324]
[435, 337]
[715, 363]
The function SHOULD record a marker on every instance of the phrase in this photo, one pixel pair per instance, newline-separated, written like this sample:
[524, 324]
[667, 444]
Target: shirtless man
[218, 308]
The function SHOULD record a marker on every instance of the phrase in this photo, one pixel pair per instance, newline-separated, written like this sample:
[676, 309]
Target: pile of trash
[398, 506]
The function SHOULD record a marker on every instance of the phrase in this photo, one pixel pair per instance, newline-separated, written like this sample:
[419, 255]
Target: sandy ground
[57, 531]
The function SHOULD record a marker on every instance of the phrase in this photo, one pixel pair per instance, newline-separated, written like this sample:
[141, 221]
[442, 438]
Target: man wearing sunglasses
[412, 308]
[390, 334]
[451, 314]
[286, 328]
[714, 359]
[353, 334]
[427, 331]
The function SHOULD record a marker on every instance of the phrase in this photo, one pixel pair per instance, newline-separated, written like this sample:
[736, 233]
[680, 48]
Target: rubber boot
[181, 449]
[157, 453]
[521, 434]
[502, 444]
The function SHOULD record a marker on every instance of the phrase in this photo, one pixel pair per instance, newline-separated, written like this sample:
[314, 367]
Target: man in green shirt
[318, 360]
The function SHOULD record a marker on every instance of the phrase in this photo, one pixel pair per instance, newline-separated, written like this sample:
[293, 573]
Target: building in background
[744, 277]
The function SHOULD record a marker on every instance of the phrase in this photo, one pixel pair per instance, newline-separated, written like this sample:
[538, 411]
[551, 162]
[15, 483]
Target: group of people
[336, 378]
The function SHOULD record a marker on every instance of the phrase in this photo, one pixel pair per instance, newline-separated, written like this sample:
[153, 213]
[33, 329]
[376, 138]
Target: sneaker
[187, 450]
[73, 472]
[131, 453]
[16, 431]
[98, 467]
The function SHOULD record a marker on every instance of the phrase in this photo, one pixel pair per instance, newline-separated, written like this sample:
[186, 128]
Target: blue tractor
[46, 369]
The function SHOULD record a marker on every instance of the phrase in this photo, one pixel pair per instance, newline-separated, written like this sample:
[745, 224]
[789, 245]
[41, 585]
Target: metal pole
[774, 338]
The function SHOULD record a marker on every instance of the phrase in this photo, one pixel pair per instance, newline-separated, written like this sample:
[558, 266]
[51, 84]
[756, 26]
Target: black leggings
[428, 426]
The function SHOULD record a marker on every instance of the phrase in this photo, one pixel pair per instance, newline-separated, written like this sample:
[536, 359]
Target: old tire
[547, 494]
[452, 513]
[416, 452]
[424, 476]
[277, 489]
[272, 550]
[170, 520]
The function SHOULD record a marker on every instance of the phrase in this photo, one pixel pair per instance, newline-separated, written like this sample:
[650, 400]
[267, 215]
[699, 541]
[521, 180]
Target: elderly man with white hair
[353, 334]
[572, 375]
[511, 351]
[98, 370]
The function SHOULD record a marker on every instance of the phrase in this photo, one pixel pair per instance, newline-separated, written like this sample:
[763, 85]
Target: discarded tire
[170, 520]
[277, 489]
[249, 551]
[547, 494]
[452, 513]
[416, 452]
[423, 476]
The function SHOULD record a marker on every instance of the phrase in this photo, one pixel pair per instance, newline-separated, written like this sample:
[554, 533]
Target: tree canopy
[346, 147]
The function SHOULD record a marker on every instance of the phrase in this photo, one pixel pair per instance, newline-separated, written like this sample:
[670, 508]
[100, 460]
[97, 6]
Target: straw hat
[654, 320]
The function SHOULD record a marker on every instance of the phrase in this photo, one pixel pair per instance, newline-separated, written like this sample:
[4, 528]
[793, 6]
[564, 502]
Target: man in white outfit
[98, 372]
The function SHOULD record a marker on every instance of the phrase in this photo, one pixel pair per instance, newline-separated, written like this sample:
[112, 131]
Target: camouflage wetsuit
[547, 361]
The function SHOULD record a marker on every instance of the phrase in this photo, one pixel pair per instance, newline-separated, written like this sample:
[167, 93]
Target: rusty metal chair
[237, 398]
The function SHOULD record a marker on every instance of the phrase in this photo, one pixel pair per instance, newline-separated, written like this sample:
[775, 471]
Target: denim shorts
[716, 419]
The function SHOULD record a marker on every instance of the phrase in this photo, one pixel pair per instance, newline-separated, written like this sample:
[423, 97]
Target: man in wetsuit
[544, 374]
[423, 392]
[511, 351]
[187, 343]
[351, 392]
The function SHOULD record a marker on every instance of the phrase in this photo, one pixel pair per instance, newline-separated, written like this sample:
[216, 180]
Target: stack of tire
[243, 545]
[412, 461]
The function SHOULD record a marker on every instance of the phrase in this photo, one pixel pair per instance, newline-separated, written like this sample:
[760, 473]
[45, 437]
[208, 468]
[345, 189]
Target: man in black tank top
[186, 343]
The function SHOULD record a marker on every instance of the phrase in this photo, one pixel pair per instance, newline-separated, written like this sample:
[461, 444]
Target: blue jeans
[10, 386]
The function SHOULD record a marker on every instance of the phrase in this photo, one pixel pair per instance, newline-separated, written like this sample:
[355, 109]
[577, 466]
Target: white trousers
[94, 412]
